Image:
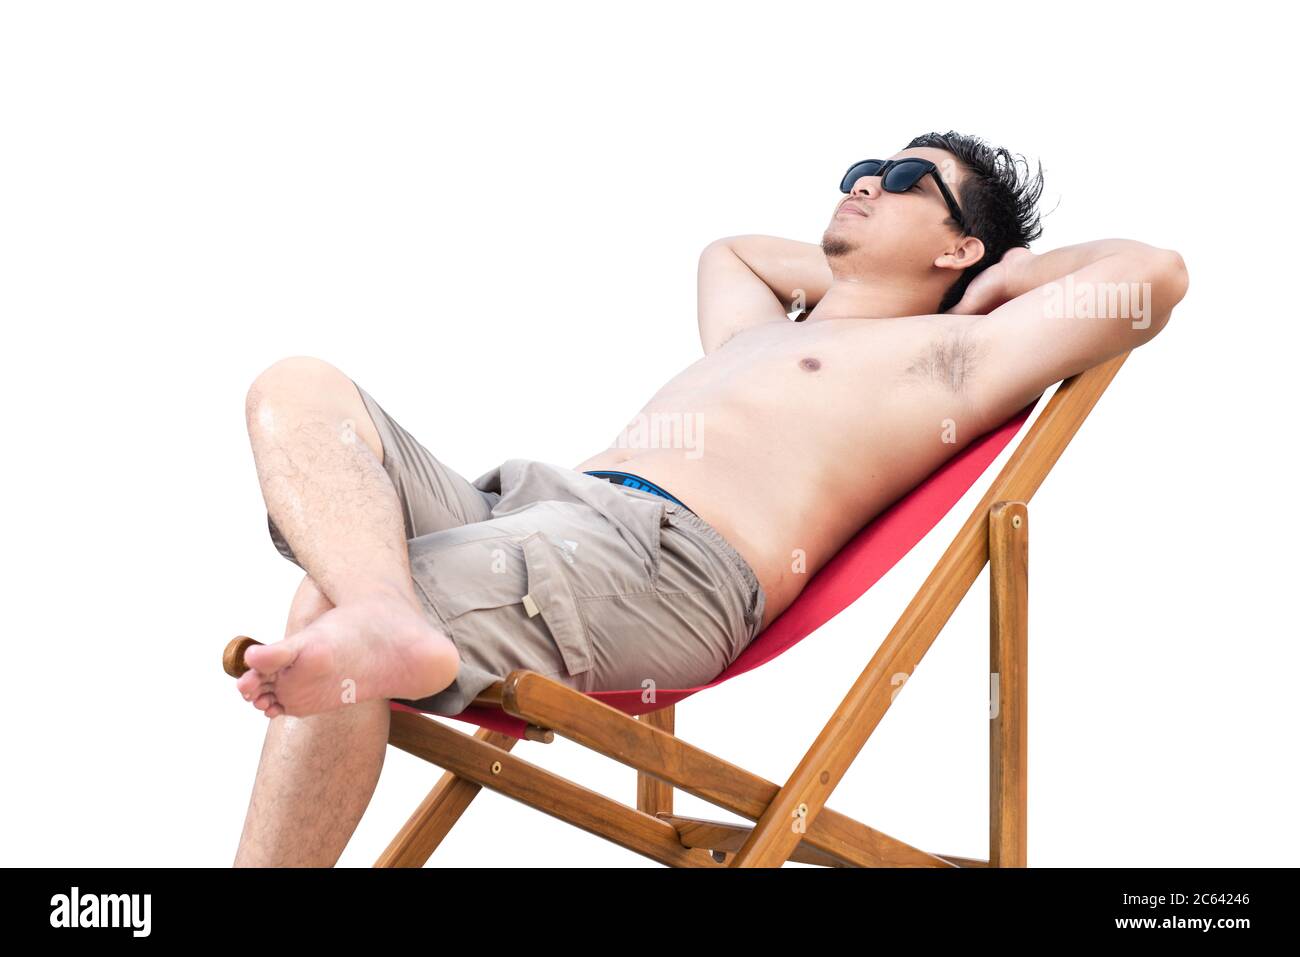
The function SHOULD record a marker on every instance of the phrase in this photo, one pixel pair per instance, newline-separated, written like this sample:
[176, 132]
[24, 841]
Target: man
[655, 562]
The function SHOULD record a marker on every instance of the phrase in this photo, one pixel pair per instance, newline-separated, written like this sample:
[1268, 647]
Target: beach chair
[792, 820]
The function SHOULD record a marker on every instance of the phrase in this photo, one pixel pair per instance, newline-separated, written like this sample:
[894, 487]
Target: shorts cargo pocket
[472, 576]
[550, 596]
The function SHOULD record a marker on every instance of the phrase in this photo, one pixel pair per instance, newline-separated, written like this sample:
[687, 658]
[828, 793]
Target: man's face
[873, 232]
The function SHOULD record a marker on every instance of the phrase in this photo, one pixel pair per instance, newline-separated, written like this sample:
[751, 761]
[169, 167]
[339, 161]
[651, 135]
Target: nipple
[810, 364]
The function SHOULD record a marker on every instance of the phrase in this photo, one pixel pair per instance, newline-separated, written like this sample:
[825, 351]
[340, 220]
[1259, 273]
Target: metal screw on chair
[1015, 521]
[496, 767]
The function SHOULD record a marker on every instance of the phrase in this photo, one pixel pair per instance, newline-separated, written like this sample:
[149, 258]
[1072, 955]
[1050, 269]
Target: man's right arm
[1063, 312]
[745, 281]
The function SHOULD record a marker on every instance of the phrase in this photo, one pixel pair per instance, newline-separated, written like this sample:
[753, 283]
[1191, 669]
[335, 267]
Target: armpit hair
[949, 360]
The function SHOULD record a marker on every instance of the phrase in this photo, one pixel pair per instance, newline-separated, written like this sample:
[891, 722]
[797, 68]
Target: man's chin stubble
[835, 246]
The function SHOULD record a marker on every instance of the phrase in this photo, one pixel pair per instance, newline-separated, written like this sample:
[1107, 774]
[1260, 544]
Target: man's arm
[1068, 310]
[745, 281]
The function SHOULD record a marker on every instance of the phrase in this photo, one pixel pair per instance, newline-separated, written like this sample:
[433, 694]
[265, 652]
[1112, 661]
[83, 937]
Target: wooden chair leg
[1009, 688]
[652, 794]
[442, 807]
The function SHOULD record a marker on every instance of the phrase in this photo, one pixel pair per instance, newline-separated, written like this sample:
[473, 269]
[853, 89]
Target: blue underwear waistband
[638, 483]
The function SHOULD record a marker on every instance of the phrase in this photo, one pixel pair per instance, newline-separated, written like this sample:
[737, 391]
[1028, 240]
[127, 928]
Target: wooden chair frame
[792, 821]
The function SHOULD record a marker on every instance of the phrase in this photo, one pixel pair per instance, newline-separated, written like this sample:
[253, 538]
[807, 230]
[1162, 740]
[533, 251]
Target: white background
[491, 219]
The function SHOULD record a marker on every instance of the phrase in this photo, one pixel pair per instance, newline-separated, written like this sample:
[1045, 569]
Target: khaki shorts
[537, 566]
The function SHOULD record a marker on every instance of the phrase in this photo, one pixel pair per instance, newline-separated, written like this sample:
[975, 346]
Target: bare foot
[377, 648]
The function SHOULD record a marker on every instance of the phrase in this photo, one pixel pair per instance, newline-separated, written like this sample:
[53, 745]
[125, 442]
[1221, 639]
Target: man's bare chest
[848, 364]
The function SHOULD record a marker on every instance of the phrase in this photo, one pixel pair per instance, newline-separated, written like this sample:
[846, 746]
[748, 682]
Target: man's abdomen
[776, 514]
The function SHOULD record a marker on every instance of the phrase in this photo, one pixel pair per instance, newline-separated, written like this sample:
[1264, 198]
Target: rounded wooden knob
[232, 659]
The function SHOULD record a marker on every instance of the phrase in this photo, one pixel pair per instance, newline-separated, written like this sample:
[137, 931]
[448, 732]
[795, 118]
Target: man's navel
[809, 364]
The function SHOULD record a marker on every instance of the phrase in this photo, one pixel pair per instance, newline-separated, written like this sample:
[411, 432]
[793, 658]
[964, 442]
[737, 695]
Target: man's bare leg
[318, 459]
[317, 774]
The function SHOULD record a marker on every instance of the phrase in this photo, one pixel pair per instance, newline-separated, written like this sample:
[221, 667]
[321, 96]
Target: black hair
[998, 205]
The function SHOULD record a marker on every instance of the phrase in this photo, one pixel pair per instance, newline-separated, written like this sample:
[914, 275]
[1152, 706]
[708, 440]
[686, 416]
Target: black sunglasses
[898, 176]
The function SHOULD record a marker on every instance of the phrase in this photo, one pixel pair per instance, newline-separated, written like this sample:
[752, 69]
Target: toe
[268, 659]
[249, 682]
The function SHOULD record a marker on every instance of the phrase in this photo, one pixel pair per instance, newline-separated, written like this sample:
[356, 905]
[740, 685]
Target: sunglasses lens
[859, 170]
[903, 176]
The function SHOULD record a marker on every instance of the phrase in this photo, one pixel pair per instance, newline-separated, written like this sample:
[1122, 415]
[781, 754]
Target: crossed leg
[317, 774]
[318, 458]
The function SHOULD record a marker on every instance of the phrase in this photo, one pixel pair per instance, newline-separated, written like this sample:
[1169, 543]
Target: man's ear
[966, 252]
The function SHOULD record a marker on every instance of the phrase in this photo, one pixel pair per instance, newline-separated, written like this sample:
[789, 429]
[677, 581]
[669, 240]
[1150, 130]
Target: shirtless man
[926, 322]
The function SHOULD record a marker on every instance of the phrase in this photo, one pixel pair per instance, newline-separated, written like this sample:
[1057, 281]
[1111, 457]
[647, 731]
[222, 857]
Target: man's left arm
[1050, 316]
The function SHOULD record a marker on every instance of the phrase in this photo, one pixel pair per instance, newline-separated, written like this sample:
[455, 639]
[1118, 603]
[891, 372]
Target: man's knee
[295, 377]
[299, 384]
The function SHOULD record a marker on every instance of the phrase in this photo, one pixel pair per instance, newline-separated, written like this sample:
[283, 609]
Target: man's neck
[862, 299]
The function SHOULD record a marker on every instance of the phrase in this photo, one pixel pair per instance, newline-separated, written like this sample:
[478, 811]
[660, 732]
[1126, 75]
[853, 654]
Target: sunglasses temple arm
[951, 201]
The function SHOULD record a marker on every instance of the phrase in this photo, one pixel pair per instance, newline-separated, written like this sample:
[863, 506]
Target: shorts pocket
[550, 596]
[482, 573]
[507, 602]
[641, 519]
